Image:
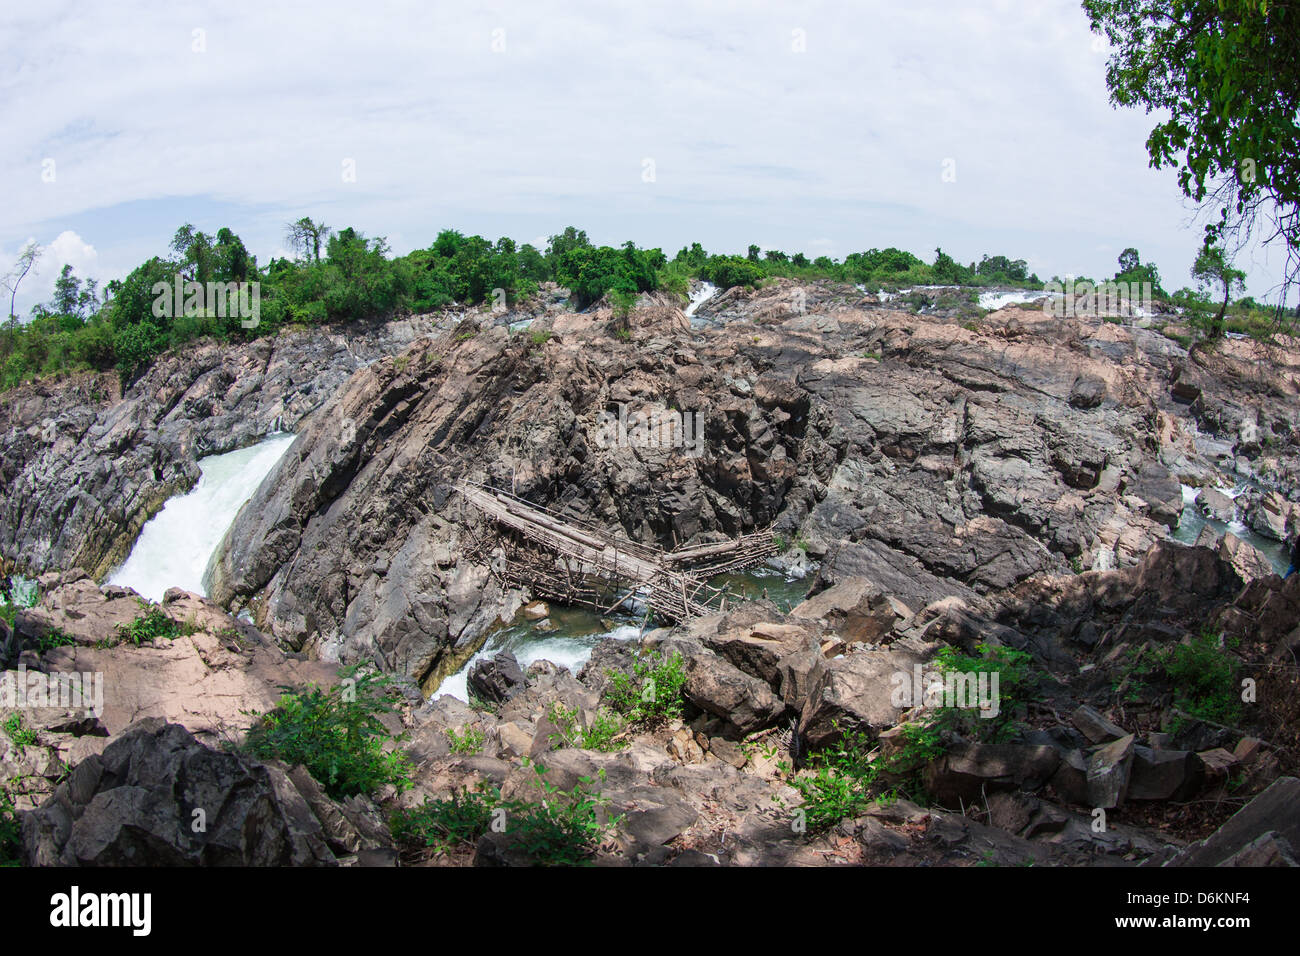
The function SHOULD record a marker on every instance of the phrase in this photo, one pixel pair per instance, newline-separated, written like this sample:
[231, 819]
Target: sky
[826, 128]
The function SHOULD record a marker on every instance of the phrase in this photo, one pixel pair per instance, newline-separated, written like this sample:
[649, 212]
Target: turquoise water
[1193, 522]
[569, 634]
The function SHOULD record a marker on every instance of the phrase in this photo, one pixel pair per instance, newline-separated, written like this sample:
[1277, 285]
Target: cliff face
[85, 467]
[943, 481]
[935, 459]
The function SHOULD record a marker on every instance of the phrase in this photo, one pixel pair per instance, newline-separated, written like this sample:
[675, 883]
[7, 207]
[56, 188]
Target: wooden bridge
[575, 562]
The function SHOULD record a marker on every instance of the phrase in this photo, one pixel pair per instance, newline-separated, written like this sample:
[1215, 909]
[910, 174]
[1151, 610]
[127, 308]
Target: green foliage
[589, 272]
[599, 735]
[152, 625]
[540, 336]
[469, 742]
[1212, 268]
[13, 727]
[336, 734]
[564, 828]
[458, 820]
[10, 832]
[727, 271]
[1204, 677]
[1016, 681]
[1220, 76]
[343, 276]
[54, 638]
[847, 776]
[652, 693]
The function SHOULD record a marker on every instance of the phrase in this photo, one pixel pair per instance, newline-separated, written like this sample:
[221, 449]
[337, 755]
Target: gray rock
[1109, 769]
[157, 797]
[496, 679]
[1276, 811]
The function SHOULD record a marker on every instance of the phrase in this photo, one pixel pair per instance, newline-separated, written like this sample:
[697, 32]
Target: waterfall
[700, 296]
[176, 545]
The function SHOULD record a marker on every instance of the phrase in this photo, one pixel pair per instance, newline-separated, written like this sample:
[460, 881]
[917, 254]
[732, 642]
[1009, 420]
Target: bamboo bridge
[575, 562]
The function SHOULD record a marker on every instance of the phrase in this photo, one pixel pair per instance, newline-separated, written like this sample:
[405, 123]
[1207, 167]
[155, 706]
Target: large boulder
[718, 687]
[496, 679]
[158, 797]
[969, 770]
[1276, 811]
[857, 691]
[855, 608]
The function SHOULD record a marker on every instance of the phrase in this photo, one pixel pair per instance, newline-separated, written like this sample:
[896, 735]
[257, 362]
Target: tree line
[343, 275]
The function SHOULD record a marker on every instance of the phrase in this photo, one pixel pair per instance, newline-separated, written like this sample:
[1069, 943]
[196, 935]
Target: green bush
[606, 726]
[458, 820]
[55, 638]
[652, 693]
[154, 624]
[1204, 678]
[10, 832]
[336, 734]
[849, 775]
[15, 731]
[564, 828]
[470, 742]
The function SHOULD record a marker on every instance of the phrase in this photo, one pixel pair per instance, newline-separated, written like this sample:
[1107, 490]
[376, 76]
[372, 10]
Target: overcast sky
[824, 128]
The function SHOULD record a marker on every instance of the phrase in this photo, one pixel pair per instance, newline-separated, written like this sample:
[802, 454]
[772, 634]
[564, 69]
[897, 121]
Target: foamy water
[569, 652]
[177, 543]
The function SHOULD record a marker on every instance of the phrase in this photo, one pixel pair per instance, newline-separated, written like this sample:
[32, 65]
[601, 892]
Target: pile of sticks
[573, 562]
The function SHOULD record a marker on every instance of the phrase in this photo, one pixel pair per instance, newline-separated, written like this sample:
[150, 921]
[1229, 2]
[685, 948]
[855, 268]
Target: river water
[176, 545]
[569, 634]
[1193, 522]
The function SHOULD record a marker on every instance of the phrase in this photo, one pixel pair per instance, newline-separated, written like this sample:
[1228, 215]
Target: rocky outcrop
[86, 466]
[157, 797]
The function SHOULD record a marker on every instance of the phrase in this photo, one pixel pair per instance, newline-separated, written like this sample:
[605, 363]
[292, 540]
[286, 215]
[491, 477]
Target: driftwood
[573, 562]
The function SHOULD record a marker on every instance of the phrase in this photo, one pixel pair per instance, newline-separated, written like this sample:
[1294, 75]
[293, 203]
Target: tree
[753, 253]
[67, 292]
[306, 236]
[1133, 270]
[194, 249]
[1224, 74]
[1212, 267]
[27, 258]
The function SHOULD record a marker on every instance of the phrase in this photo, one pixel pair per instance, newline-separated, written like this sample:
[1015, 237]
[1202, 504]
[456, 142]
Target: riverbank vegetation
[343, 276]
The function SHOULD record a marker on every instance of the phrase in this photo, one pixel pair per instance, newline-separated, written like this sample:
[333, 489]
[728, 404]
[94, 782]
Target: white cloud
[749, 138]
[67, 248]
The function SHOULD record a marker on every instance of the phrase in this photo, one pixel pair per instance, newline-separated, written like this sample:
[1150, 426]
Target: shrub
[336, 734]
[564, 828]
[847, 777]
[470, 742]
[15, 731]
[55, 638]
[1204, 677]
[652, 693]
[458, 820]
[154, 624]
[601, 735]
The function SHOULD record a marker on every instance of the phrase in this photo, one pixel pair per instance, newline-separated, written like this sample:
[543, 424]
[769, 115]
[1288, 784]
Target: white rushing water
[570, 652]
[993, 301]
[703, 294]
[177, 543]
